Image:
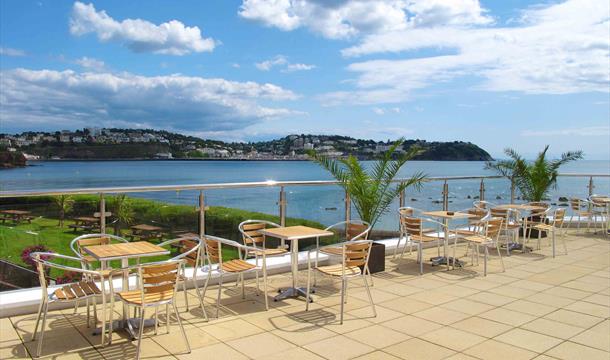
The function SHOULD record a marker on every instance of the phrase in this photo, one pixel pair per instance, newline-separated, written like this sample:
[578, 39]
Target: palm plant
[64, 204]
[371, 189]
[533, 179]
[123, 212]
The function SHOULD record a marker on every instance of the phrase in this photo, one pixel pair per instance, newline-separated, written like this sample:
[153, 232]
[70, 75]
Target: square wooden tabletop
[125, 250]
[446, 215]
[519, 207]
[295, 232]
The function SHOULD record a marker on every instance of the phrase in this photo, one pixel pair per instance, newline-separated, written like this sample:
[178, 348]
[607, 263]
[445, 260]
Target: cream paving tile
[572, 351]
[426, 283]
[377, 295]
[531, 285]
[231, 329]
[567, 292]
[506, 316]
[482, 327]
[594, 339]
[496, 350]
[598, 299]
[296, 353]
[339, 347]
[552, 328]
[467, 306]
[172, 341]
[460, 356]
[512, 291]
[491, 299]
[573, 318]
[411, 325]
[433, 297]
[406, 305]
[377, 336]
[452, 338]
[528, 340]
[377, 355]
[350, 323]
[603, 327]
[402, 289]
[419, 349]
[590, 309]
[548, 299]
[304, 334]
[544, 357]
[13, 349]
[457, 291]
[441, 315]
[383, 314]
[479, 284]
[529, 307]
[584, 286]
[216, 351]
[260, 345]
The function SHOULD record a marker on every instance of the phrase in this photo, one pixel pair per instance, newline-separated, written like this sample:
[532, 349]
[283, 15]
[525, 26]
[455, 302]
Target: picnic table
[85, 223]
[145, 232]
[15, 215]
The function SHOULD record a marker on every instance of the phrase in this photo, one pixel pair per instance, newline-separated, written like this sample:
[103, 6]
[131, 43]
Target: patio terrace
[540, 308]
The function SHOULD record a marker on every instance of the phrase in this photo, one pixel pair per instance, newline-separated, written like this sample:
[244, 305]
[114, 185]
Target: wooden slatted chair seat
[334, 250]
[77, 291]
[269, 252]
[466, 232]
[423, 238]
[236, 265]
[135, 296]
[544, 227]
[478, 239]
[336, 270]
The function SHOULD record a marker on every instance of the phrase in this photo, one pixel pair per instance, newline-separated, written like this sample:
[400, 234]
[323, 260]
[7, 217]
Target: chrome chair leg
[188, 346]
[141, 333]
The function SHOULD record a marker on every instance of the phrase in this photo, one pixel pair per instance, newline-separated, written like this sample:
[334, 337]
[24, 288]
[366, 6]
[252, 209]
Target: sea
[324, 204]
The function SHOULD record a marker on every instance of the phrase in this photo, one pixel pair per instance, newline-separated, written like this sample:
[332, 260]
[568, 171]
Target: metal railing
[282, 202]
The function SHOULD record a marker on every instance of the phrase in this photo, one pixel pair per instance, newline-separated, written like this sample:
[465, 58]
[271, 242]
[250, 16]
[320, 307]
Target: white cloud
[36, 98]
[298, 67]
[235, 65]
[282, 61]
[339, 19]
[583, 131]
[6, 51]
[378, 111]
[172, 38]
[383, 111]
[91, 63]
[268, 64]
[556, 49]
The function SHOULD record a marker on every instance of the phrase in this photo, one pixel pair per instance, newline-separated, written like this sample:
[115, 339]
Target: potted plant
[533, 179]
[64, 204]
[372, 188]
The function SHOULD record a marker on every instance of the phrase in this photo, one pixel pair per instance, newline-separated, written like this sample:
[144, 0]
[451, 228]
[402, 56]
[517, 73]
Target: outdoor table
[446, 217]
[85, 222]
[124, 252]
[294, 234]
[145, 232]
[16, 215]
[522, 207]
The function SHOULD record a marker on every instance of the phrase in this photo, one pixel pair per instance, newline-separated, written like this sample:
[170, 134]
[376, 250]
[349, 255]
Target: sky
[517, 73]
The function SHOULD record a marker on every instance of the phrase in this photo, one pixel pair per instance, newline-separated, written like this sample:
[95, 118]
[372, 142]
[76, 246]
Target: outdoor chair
[536, 217]
[556, 226]
[87, 261]
[599, 209]
[85, 289]
[189, 250]
[413, 227]
[582, 209]
[352, 230]
[511, 225]
[239, 267]
[251, 236]
[157, 286]
[354, 258]
[406, 211]
[488, 236]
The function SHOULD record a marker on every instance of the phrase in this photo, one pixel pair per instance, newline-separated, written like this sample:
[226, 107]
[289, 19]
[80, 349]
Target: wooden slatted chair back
[213, 250]
[411, 225]
[493, 227]
[251, 233]
[356, 254]
[495, 212]
[159, 278]
[192, 258]
[559, 217]
[355, 229]
[575, 204]
[91, 241]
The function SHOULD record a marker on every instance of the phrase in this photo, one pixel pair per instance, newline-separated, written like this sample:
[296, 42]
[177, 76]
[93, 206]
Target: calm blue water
[324, 204]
